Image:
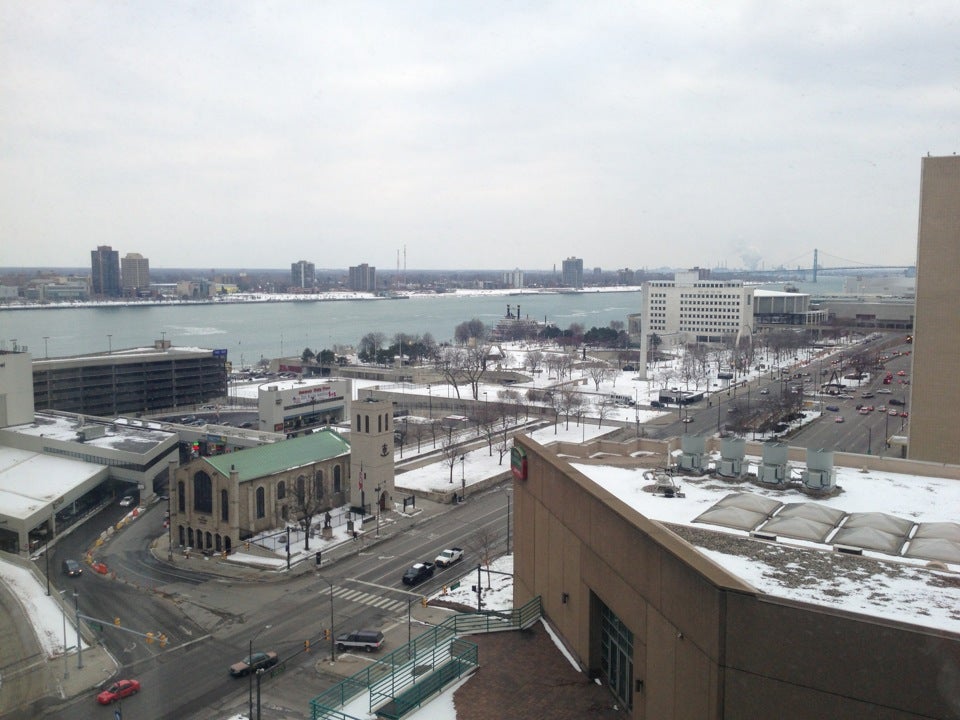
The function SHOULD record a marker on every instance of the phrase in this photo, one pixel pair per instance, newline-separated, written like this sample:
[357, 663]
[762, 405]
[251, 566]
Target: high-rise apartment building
[934, 433]
[105, 272]
[363, 278]
[135, 274]
[573, 272]
[513, 278]
[303, 274]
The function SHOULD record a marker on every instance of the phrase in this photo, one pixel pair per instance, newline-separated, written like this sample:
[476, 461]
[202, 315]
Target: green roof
[277, 457]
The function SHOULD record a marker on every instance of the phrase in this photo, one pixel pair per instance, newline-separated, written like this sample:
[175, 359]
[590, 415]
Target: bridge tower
[814, 265]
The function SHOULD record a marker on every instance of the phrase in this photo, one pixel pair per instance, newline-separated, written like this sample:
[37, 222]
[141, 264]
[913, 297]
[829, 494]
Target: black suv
[417, 573]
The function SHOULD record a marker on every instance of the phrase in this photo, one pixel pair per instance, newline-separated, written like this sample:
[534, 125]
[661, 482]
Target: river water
[249, 331]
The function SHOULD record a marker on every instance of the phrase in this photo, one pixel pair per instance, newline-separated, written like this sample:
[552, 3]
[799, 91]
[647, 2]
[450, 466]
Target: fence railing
[439, 647]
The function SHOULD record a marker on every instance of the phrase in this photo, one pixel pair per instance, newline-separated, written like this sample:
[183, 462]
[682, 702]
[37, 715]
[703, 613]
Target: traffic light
[318, 558]
[149, 638]
[306, 645]
[116, 621]
[423, 601]
[326, 634]
[163, 640]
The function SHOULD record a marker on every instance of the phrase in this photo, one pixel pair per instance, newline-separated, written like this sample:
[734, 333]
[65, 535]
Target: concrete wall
[935, 391]
[706, 644]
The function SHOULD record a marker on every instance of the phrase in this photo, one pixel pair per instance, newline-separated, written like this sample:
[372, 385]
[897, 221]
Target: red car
[120, 689]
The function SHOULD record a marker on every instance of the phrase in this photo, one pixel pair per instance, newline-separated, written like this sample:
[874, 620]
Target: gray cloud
[478, 135]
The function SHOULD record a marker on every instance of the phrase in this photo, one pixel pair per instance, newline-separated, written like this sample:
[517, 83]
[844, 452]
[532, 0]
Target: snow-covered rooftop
[117, 435]
[876, 583]
[30, 481]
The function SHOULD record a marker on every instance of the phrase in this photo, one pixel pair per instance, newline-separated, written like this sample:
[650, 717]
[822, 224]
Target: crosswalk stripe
[364, 598]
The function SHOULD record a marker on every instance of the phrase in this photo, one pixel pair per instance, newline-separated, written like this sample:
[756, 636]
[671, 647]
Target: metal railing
[447, 656]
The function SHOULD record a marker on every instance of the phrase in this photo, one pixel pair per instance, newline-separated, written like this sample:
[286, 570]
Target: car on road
[448, 557]
[884, 391]
[687, 419]
[893, 413]
[863, 411]
[833, 408]
[257, 661]
[72, 568]
[839, 418]
[417, 573]
[895, 401]
[118, 690]
[882, 408]
[368, 640]
[126, 501]
[764, 391]
[904, 414]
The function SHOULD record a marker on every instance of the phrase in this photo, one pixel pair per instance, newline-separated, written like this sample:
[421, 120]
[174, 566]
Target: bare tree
[474, 365]
[534, 360]
[503, 441]
[598, 372]
[483, 543]
[307, 496]
[488, 418]
[571, 402]
[451, 451]
[604, 409]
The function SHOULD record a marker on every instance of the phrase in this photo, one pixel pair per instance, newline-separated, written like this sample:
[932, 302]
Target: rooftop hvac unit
[819, 481]
[90, 432]
[733, 448]
[691, 461]
[774, 453]
[773, 466]
[693, 444]
[819, 477]
[730, 468]
[820, 460]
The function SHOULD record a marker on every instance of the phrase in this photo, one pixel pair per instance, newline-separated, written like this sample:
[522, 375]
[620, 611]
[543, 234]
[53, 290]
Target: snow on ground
[43, 611]
[497, 587]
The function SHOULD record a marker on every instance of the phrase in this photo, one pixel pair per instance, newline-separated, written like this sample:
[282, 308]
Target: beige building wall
[935, 383]
[706, 644]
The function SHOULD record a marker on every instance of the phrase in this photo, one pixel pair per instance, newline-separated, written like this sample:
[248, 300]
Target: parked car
[839, 419]
[417, 573]
[126, 501]
[369, 640]
[71, 568]
[833, 408]
[118, 690]
[895, 401]
[764, 391]
[257, 661]
[893, 413]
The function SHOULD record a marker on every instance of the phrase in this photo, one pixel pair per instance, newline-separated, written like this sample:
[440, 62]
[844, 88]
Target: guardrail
[448, 656]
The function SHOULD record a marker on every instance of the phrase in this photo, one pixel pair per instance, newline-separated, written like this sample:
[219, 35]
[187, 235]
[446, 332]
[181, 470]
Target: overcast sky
[473, 134]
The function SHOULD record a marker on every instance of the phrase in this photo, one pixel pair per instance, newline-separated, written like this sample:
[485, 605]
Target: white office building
[694, 308]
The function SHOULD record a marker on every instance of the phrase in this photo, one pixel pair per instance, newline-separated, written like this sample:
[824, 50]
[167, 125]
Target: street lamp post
[508, 521]
[259, 673]
[250, 660]
[333, 653]
[377, 489]
[46, 556]
[109, 344]
[45, 353]
[76, 606]
[63, 611]
[463, 480]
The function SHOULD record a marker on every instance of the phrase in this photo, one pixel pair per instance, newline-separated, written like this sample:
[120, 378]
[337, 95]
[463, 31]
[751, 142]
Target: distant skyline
[474, 135]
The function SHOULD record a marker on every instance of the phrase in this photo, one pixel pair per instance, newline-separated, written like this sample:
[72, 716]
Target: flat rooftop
[124, 355]
[717, 516]
[29, 481]
[118, 435]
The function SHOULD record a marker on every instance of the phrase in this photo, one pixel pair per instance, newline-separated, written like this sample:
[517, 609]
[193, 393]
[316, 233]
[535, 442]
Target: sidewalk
[274, 566]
